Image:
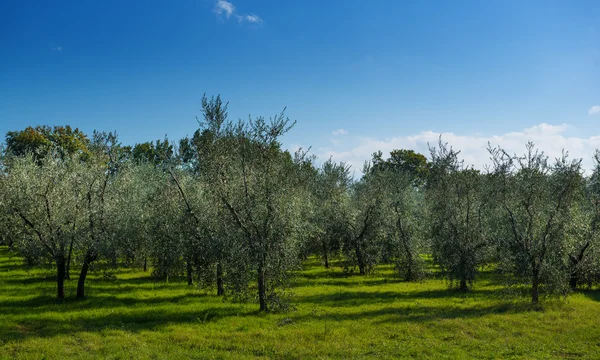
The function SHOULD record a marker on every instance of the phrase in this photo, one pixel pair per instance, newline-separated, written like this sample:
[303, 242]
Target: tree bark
[60, 277]
[359, 259]
[68, 270]
[220, 289]
[463, 285]
[145, 264]
[575, 261]
[82, 276]
[262, 298]
[190, 272]
[409, 261]
[535, 285]
[574, 281]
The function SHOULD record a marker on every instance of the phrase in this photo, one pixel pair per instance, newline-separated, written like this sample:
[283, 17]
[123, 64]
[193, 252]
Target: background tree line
[229, 209]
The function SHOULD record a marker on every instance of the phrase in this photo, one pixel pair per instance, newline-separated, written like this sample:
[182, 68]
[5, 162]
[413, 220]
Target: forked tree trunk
[60, 277]
[220, 289]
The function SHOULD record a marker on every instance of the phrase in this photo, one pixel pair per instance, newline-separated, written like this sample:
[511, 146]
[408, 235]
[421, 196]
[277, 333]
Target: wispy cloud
[56, 48]
[251, 18]
[224, 7]
[551, 139]
[227, 9]
[594, 110]
[339, 132]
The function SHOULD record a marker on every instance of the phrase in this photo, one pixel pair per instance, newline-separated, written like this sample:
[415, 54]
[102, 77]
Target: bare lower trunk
[262, 298]
[68, 270]
[409, 262]
[220, 289]
[362, 269]
[190, 272]
[535, 284]
[145, 264]
[325, 256]
[60, 277]
[463, 285]
[574, 281]
[575, 263]
[82, 276]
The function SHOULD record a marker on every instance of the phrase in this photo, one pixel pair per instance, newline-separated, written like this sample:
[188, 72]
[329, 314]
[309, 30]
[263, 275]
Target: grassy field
[337, 316]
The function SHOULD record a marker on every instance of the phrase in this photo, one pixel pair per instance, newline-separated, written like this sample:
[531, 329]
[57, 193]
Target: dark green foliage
[459, 216]
[535, 201]
[42, 140]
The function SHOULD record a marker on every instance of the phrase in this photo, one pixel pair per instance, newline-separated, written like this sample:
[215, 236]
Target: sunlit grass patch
[338, 315]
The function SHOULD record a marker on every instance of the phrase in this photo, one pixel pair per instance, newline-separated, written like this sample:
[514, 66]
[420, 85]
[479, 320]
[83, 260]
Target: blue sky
[387, 73]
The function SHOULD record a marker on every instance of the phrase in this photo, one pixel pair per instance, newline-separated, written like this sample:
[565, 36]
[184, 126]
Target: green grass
[337, 316]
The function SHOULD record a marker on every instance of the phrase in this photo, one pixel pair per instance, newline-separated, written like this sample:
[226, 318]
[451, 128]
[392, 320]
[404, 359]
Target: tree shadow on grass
[591, 294]
[350, 282]
[133, 321]
[420, 314]
[358, 298]
[45, 303]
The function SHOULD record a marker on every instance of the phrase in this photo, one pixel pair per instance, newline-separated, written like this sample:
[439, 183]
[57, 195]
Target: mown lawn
[337, 316]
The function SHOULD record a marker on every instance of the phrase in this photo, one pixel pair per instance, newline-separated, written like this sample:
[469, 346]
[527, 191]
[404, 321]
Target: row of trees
[229, 208]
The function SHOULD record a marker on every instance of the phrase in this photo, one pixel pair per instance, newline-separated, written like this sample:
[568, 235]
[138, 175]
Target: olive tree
[48, 197]
[535, 199]
[137, 187]
[458, 208]
[403, 175]
[363, 244]
[583, 232]
[258, 185]
[98, 237]
[331, 214]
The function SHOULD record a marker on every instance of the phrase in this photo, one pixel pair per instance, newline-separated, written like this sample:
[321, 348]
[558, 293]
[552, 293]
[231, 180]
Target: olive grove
[229, 209]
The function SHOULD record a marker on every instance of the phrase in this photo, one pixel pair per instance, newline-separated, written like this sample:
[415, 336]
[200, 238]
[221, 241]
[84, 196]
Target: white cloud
[251, 18]
[339, 132]
[224, 7]
[594, 110]
[549, 138]
[228, 9]
[56, 48]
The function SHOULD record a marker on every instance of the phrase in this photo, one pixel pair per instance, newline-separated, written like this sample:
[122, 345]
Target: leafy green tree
[583, 232]
[98, 235]
[258, 184]
[536, 201]
[43, 140]
[155, 152]
[137, 187]
[403, 175]
[331, 210]
[48, 198]
[362, 247]
[408, 162]
[459, 216]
